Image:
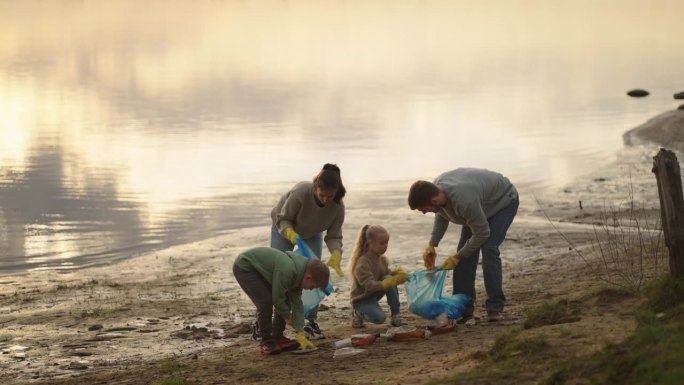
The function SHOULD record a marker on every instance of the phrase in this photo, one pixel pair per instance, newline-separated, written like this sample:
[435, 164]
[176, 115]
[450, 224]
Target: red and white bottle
[357, 340]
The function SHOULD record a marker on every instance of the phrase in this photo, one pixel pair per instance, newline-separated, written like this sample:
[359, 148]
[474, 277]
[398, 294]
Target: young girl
[373, 279]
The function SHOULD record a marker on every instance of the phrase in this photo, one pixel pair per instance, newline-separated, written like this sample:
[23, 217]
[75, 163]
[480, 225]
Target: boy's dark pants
[259, 291]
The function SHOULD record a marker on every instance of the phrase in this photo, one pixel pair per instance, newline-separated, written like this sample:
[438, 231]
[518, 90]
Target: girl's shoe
[357, 320]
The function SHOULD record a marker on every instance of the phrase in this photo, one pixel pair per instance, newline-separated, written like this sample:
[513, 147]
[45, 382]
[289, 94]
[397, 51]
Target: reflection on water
[132, 125]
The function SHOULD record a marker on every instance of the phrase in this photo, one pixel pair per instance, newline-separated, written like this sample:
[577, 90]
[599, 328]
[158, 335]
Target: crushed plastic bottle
[450, 327]
[357, 340]
[409, 335]
[347, 351]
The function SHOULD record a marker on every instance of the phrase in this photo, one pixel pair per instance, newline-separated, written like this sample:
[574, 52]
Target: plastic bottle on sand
[357, 340]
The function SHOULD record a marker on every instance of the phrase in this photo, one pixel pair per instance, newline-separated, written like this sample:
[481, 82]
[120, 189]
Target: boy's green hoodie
[285, 272]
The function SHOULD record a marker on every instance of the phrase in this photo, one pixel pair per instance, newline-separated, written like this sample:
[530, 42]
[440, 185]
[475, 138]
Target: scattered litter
[449, 327]
[357, 340]
[406, 333]
[347, 352]
[303, 351]
[441, 320]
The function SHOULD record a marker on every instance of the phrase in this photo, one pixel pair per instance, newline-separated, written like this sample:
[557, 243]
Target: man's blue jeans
[315, 243]
[369, 308]
[465, 271]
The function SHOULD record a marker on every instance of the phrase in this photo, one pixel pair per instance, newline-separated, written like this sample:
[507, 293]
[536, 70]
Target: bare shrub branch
[625, 246]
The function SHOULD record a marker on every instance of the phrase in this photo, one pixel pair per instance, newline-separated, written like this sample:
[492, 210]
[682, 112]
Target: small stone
[638, 93]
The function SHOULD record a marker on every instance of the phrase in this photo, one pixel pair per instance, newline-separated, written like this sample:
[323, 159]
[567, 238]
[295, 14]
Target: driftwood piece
[668, 175]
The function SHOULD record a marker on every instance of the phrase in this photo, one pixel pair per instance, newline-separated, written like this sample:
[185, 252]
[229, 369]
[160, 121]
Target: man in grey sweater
[484, 203]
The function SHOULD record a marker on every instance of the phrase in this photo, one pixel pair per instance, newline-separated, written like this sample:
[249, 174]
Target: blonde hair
[366, 234]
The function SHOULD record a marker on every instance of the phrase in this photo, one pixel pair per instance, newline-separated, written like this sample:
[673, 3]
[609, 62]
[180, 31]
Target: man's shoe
[313, 332]
[494, 315]
[397, 320]
[269, 347]
[357, 320]
[255, 331]
[285, 344]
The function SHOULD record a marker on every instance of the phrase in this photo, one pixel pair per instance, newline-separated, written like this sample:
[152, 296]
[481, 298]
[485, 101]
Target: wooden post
[666, 168]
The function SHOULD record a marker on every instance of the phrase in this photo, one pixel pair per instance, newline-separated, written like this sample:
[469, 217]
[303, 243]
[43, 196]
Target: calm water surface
[132, 125]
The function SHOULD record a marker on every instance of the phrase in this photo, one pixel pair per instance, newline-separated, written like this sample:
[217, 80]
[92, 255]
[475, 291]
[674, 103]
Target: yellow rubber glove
[399, 276]
[429, 257]
[334, 262]
[304, 342]
[389, 282]
[450, 263]
[291, 235]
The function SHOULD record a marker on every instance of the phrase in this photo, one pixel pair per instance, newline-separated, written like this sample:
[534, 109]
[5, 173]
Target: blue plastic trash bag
[425, 296]
[311, 298]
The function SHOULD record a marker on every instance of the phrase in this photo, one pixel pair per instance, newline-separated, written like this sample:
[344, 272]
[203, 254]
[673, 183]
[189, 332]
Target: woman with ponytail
[307, 212]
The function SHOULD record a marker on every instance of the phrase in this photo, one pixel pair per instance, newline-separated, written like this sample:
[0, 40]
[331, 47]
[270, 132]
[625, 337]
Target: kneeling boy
[275, 279]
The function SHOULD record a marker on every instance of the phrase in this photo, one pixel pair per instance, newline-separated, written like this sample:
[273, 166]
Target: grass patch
[665, 293]
[510, 361]
[552, 313]
[654, 354]
[169, 366]
[509, 345]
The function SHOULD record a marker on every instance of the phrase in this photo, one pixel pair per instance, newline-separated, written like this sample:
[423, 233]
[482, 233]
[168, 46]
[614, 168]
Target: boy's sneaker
[269, 347]
[357, 320]
[397, 320]
[313, 332]
[285, 344]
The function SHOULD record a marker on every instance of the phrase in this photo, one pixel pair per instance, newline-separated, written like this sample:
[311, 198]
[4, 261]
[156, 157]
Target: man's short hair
[421, 194]
[320, 273]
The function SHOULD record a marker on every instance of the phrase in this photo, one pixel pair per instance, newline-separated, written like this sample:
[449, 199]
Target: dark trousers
[259, 291]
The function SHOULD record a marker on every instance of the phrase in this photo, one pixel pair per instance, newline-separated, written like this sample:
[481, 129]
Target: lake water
[132, 125]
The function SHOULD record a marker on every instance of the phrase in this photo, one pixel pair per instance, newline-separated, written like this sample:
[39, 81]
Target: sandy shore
[184, 302]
